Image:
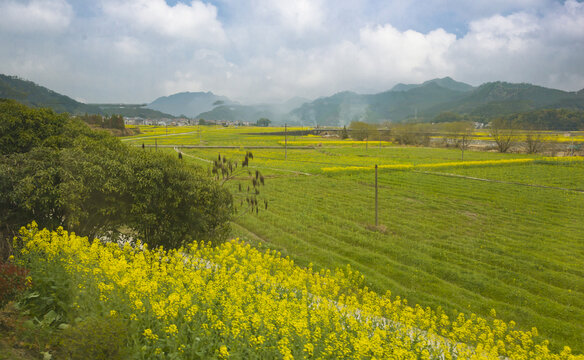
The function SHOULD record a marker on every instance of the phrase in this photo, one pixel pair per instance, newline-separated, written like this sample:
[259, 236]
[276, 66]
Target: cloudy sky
[134, 51]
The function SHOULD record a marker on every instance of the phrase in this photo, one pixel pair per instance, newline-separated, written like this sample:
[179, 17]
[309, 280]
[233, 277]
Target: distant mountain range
[425, 101]
[404, 102]
[189, 104]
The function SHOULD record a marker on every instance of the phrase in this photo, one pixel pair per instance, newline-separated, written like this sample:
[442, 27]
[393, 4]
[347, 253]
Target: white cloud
[523, 47]
[511, 32]
[194, 22]
[260, 50]
[299, 15]
[35, 16]
[129, 48]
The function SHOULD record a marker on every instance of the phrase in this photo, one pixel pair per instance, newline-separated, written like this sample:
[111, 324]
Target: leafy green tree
[344, 133]
[263, 122]
[362, 131]
[23, 128]
[447, 116]
[411, 133]
[91, 183]
[172, 203]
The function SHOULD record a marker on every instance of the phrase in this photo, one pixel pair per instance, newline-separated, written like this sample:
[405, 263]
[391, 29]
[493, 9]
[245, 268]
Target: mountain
[425, 101]
[342, 108]
[31, 94]
[237, 113]
[447, 83]
[336, 110]
[501, 98]
[189, 104]
[132, 110]
[277, 113]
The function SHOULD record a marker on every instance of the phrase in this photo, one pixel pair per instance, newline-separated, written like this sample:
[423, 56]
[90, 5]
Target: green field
[446, 239]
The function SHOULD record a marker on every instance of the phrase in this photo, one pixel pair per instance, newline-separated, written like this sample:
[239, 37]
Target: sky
[253, 51]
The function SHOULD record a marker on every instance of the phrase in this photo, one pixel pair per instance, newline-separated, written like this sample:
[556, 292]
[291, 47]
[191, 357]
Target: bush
[95, 338]
[12, 282]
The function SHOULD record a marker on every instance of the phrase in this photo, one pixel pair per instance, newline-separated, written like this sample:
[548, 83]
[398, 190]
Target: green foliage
[344, 133]
[447, 116]
[549, 119]
[114, 121]
[23, 128]
[93, 184]
[411, 134]
[31, 94]
[171, 203]
[133, 110]
[363, 131]
[95, 338]
[263, 122]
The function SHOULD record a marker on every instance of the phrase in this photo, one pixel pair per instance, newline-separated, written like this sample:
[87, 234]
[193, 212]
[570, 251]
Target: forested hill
[423, 102]
[31, 94]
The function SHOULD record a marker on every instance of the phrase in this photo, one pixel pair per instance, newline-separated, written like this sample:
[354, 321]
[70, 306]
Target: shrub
[12, 281]
[95, 338]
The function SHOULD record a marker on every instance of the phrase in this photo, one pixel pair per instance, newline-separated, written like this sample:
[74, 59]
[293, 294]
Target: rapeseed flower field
[234, 301]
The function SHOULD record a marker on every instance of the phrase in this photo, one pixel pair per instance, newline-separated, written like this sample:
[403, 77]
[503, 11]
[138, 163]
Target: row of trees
[506, 133]
[56, 171]
[105, 122]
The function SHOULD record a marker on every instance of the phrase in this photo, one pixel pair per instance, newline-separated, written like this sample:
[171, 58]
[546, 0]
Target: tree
[503, 133]
[447, 117]
[23, 128]
[263, 122]
[95, 185]
[344, 133]
[462, 132]
[362, 131]
[411, 134]
[533, 141]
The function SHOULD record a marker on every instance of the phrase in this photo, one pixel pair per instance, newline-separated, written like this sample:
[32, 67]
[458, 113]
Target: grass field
[465, 238]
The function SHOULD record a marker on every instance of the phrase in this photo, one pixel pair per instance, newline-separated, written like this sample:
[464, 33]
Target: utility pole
[285, 141]
[376, 201]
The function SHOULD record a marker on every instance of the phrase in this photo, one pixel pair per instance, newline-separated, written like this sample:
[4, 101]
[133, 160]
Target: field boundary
[496, 181]
[230, 146]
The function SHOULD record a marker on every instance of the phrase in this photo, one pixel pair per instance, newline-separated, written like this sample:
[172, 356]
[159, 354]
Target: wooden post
[376, 202]
[285, 141]
[156, 144]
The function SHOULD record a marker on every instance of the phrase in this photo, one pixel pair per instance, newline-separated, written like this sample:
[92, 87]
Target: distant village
[183, 122]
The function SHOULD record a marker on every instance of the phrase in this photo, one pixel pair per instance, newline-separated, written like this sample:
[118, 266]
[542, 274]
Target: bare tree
[224, 170]
[533, 143]
[464, 133]
[503, 133]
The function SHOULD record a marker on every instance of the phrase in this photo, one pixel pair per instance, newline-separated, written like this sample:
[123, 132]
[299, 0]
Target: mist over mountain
[423, 102]
[404, 102]
[189, 104]
[278, 113]
[447, 83]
